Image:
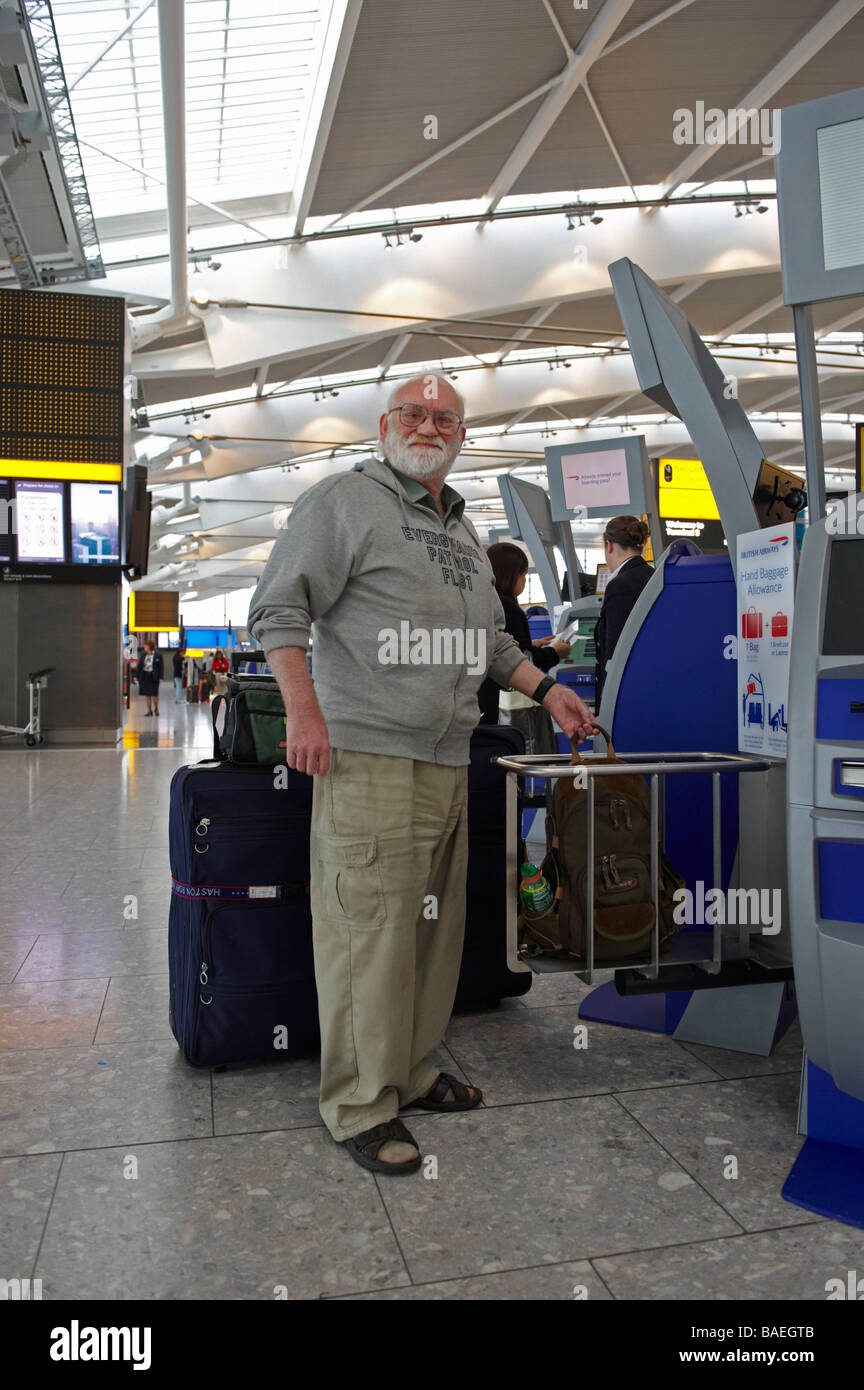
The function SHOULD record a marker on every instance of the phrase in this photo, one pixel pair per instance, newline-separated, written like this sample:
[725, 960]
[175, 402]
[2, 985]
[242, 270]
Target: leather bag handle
[612, 756]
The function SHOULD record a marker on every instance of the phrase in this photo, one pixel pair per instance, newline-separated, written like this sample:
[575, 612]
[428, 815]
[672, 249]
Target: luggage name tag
[265, 891]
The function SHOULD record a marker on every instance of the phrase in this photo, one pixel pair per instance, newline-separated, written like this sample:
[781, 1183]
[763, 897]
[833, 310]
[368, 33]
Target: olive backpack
[623, 904]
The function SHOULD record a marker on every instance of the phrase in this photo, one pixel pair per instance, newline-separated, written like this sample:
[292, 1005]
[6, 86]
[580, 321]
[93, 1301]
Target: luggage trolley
[695, 956]
[32, 731]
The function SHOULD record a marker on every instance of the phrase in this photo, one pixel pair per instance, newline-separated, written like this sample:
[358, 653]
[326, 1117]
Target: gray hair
[425, 377]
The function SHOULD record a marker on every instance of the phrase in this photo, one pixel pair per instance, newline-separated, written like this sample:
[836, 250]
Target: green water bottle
[537, 896]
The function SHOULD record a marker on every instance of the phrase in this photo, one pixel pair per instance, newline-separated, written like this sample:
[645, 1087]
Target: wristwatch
[543, 689]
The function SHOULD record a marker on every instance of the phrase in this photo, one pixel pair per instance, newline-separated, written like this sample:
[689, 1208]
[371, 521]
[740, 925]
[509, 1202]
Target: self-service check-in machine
[825, 833]
[577, 624]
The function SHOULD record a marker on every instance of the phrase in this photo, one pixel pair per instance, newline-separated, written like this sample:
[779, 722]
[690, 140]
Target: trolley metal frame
[32, 730]
[656, 766]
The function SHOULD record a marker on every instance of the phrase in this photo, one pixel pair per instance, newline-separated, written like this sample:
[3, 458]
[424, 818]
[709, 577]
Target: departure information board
[62, 435]
[61, 368]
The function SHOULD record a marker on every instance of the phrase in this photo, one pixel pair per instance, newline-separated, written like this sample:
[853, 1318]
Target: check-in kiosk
[577, 622]
[825, 829]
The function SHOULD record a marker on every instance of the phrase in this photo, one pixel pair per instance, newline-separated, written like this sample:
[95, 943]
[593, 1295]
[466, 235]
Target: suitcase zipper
[207, 952]
[240, 827]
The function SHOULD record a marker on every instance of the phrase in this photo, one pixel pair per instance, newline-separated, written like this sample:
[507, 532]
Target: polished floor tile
[241, 1217]
[785, 1057]
[26, 1188]
[791, 1265]
[529, 1054]
[746, 1129]
[14, 950]
[55, 1013]
[542, 1184]
[71, 956]
[79, 1098]
[567, 1283]
[135, 1010]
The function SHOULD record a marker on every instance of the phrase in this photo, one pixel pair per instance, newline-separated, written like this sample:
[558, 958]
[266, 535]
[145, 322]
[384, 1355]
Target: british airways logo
[778, 540]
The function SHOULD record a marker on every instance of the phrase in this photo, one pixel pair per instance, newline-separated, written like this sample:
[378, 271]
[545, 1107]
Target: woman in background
[220, 669]
[150, 672]
[623, 542]
[510, 567]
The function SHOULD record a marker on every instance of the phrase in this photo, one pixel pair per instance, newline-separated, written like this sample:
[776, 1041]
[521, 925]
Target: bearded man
[381, 566]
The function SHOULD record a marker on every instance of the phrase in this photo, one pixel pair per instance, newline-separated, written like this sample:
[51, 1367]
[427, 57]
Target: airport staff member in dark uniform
[623, 542]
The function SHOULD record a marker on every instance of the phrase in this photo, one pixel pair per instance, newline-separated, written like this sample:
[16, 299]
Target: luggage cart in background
[32, 731]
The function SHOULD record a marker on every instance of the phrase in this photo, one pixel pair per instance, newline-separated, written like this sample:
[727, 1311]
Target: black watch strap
[543, 689]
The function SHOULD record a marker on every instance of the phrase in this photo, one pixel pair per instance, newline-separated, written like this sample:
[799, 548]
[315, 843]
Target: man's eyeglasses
[446, 421]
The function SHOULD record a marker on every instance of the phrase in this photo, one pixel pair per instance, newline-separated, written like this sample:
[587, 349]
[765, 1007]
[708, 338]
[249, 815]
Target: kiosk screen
[844, 609]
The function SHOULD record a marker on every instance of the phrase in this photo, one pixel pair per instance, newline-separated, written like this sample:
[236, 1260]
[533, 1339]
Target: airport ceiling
[319, 131]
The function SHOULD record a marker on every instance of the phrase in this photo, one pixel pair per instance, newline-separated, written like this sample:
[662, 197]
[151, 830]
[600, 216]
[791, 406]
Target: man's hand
[307, 742]
[572, 714]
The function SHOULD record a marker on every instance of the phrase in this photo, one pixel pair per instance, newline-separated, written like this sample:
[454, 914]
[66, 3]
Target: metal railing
[655, 766]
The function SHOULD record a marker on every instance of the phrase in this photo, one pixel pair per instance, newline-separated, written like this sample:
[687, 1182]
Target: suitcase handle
[214, 713]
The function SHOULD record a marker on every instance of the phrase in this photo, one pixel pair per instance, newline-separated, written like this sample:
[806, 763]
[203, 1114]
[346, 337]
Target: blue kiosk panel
[678, 691]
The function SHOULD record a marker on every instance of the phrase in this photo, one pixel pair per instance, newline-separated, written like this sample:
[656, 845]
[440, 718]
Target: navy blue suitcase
[240, 931]
[485, 978]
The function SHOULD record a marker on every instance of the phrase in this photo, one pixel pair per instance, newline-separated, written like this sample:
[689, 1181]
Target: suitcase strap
[231, 892]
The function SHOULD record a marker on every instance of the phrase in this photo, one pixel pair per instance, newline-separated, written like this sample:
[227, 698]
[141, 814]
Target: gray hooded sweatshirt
[405, 619]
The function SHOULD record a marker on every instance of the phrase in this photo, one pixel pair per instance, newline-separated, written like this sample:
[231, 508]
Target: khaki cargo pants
[389, 858]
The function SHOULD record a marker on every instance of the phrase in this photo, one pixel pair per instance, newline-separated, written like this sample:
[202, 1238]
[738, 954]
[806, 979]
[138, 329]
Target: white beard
[420, 463]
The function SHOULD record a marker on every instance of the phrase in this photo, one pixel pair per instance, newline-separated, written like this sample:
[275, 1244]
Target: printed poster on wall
[766, 600]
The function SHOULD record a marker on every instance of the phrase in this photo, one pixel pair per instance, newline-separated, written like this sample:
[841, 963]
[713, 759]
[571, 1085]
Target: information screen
[40, 521]
[844, 610]
[95, 515]
[7, 514]
[596, 479]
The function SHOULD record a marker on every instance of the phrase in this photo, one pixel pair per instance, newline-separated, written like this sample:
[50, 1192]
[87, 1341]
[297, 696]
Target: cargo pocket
[351, 888]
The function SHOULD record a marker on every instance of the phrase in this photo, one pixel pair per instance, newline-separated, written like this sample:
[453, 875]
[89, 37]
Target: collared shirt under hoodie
[622, 590]
[362, 557]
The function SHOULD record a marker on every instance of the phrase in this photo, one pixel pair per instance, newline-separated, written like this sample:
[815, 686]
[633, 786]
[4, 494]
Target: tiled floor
[128, 1174]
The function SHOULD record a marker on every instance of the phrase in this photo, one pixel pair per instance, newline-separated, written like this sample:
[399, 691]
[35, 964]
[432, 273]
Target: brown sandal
[434, 1097]
[364, 1148]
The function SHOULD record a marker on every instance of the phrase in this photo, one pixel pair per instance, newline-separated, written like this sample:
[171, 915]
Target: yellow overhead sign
[684, 491]
[78, 472]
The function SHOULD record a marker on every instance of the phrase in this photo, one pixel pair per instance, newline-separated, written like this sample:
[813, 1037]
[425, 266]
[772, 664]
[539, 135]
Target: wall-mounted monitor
[40, 522]
[58, 530]
[63, 420]
[603, 477]
[95, 523]
[820, 203]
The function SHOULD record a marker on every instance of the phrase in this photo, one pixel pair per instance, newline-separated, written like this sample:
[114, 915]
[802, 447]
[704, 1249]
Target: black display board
[62, 436]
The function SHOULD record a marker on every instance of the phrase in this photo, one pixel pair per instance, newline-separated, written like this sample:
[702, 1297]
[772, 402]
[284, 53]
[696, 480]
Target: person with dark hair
[178, 660]
[150, 672]
[510, 568]
[220, 667]
[623, 541]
